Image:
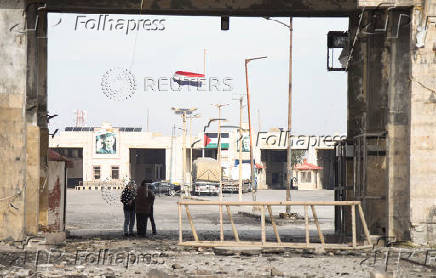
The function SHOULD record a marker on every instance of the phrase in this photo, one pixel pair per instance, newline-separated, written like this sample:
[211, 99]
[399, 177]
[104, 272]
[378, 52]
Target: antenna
[148, 119]
[80, 118]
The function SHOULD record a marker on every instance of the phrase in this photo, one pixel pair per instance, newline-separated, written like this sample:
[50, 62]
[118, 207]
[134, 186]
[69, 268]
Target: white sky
[77, 60]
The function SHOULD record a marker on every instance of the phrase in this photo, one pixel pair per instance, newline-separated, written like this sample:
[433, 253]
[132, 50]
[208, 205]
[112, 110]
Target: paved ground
[93, 213]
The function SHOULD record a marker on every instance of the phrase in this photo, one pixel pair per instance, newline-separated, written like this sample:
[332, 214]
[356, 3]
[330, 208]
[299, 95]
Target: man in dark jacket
[128, 199]
[144, 207]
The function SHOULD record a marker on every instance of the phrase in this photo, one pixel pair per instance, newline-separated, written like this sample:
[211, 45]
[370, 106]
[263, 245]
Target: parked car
[164, 187]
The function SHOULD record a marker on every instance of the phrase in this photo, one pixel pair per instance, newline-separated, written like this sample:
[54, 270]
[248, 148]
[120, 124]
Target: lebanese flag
[188, 78]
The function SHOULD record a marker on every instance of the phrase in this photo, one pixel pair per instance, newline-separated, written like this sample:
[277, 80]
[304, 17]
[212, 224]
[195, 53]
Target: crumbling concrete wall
[32, 181]
[423, 126]
[56, 193]
[379, 100]
[12, 120]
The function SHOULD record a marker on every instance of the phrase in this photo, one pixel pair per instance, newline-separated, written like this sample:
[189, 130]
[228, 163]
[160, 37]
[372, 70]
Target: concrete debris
[78, 258]
[275, 272]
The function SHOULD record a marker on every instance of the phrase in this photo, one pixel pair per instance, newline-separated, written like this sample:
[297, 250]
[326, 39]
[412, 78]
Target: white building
[111, 153]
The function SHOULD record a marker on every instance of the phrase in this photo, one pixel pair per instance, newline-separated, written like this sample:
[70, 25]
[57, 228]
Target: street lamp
[289, 150]
[249, 122]
[240, 129]
[196, 116]
[183, 112]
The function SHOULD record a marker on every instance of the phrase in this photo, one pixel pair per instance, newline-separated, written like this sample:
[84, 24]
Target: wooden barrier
[264, 243]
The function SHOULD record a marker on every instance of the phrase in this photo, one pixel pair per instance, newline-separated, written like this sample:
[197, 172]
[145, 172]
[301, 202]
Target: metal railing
[263, 206]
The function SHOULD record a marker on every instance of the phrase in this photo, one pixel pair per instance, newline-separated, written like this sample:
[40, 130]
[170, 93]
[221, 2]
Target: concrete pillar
[378, 101]
[356, 117]
[32, 181]
[398, 130]
[12, 120]
[423, 128]
[56, 189]
[42, 117]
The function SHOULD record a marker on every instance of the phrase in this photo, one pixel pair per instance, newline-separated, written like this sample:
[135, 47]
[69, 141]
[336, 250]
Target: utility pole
[289, 154]
[183, 112]
[249, 125]
[148, 120]
[240, 149]
[172, 153]
[184, 153]
[190, 152]
[219, 106]
[289, 151]
[204, 62]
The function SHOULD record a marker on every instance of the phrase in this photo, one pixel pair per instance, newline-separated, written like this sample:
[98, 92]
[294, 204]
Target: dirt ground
[96, 248]
[93, 213]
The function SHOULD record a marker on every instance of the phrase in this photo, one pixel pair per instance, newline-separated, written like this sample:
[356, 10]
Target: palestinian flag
[188, 78]
[211, 141]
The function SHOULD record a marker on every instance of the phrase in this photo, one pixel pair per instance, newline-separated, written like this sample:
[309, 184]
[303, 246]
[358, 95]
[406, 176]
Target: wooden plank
[365, 227]
[262, 223]
[235, 232]
[232, 243]
[194, 232]
[273, 222]
[180, 225]
[353, 224]
[272, 203]
[221, 224]
[306, 221]
[315, 217]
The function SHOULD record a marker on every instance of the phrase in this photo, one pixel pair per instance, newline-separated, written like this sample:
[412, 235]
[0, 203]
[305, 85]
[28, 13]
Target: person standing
[144, 207]
[128, 199]
[153, 225]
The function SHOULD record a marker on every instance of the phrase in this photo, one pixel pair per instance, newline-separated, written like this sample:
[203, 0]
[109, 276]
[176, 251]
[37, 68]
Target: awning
[307, 166]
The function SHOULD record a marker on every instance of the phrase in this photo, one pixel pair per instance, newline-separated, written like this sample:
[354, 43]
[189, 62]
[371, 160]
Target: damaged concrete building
[388, 160]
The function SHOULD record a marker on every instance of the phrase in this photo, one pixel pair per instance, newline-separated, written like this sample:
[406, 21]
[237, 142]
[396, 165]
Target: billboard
[105, 141]
[245, 139]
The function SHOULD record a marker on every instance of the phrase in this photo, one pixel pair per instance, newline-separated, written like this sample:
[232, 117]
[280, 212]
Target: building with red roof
[308, 176]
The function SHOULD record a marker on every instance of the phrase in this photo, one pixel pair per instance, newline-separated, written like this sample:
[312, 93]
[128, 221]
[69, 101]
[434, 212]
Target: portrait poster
[106, 141]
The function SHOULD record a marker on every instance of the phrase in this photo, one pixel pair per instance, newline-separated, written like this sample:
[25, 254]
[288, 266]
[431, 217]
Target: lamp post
[183, 112]
[240, 129]
[289, 149]
[249, 122]
[219, 106]
[196, 116]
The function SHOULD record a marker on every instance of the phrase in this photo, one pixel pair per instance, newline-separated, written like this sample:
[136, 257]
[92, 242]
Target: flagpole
[204, 62]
